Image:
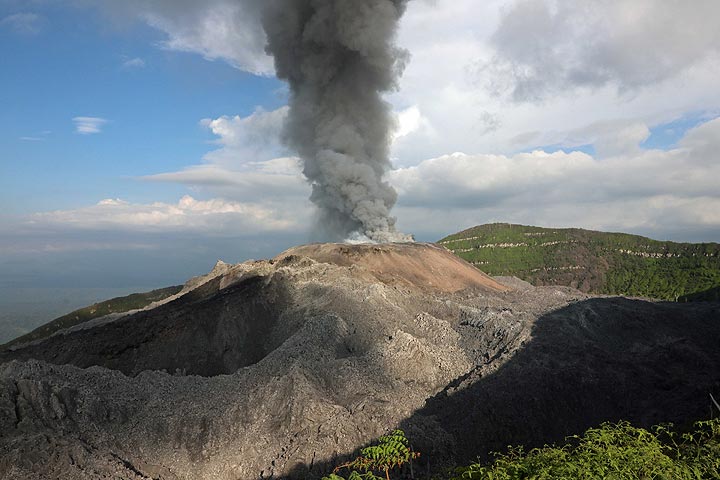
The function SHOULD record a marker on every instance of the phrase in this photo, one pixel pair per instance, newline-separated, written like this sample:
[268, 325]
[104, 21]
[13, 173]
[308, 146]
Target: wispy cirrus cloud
[136, 62]
[23, 23]
[89, 125]
[36, 137]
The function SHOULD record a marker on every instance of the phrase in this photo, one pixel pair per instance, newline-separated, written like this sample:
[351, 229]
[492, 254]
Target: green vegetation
[115, 305]
[392, 451]
[612, 451]
[616, 451]
[598, 262]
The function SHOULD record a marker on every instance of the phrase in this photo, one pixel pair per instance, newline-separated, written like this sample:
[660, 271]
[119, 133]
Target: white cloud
[545, 47]
[211, 217]
[248, 165]
[111, 202]
[659, 193]
[408, 121]
[651, 191]
[247, 139]
[624, 187]
[644, 61]
[229, 30]
[133, 63]
[605, 72]
[608, 137]
[23, 23]
[449, 41]
[89, 125]
[36, 137]
[278, 180]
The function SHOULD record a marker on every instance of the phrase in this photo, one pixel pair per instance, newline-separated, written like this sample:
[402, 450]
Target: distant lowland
[115, 305]
[593, 262]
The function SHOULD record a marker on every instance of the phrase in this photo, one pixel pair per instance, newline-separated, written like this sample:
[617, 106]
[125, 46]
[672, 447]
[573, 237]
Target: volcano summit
[282, 367]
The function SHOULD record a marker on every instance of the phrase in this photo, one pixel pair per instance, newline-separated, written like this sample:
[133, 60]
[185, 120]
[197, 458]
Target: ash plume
[338, 58]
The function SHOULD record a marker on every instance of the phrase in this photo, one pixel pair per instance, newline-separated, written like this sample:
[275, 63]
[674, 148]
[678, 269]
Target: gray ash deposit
[282, 367]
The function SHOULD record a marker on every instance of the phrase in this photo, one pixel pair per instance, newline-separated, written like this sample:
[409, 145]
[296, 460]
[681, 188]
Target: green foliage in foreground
[612, 451]
[391, 451]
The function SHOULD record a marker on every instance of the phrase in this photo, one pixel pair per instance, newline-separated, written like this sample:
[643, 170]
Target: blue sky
[603, 124]
[152, 99]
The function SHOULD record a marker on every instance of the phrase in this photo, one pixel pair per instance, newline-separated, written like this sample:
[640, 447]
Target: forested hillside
[598, 262]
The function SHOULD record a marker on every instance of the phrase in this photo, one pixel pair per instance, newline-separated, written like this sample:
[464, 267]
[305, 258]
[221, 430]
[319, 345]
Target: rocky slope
[597, 262]
[279, 367]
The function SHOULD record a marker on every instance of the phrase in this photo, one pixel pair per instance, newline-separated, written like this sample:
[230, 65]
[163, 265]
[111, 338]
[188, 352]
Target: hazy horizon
[30, 298]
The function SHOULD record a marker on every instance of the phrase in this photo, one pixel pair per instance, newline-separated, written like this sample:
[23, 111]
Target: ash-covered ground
[280, 367]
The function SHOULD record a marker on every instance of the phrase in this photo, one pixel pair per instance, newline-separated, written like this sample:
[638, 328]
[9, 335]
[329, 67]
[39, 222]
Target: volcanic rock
[283, 367]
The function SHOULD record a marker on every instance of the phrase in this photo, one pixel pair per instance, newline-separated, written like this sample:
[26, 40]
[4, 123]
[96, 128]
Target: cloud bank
[211, 217]
[664, 193]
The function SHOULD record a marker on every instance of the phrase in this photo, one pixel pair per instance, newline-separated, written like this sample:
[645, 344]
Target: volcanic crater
[282, 367]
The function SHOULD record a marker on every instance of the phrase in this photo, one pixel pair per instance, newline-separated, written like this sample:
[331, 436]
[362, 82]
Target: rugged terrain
[595, 262]
[280, 367]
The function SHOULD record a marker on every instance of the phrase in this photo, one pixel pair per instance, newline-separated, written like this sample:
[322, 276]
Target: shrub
[612, 451]
[391, 451]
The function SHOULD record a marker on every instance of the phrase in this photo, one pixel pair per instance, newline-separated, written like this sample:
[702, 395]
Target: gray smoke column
[339, 57]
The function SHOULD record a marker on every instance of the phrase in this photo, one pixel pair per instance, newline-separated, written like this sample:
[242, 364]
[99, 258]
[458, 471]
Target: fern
[391, 451]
